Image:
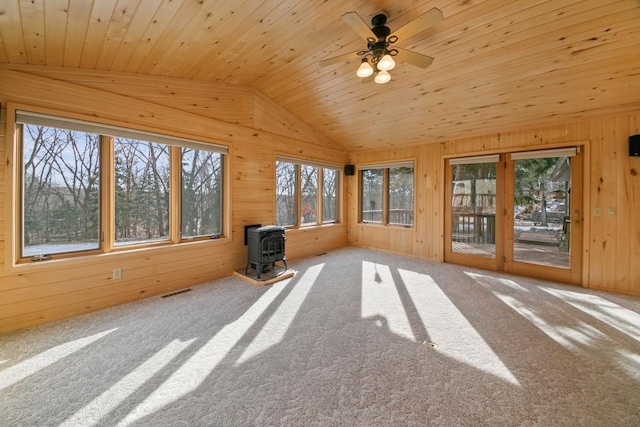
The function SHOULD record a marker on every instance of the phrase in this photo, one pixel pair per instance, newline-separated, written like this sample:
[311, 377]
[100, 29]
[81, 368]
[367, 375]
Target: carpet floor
[355, 338]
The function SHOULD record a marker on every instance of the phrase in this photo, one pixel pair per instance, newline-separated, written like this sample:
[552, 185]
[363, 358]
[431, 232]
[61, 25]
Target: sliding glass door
[544, 196]
[517, 212]
[473, 203]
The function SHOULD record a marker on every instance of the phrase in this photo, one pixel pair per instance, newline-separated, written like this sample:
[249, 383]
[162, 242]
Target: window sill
[313, 226]
[381, 225]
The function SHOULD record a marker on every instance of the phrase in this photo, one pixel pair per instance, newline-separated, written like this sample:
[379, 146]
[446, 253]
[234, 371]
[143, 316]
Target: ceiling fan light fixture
[365, 69]
[382, 77]
[386, 63]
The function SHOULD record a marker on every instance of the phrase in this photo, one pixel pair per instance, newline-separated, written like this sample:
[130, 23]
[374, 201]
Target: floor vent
[176, 293]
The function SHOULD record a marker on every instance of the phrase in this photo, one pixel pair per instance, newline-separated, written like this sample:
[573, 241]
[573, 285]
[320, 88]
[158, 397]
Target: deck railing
[396, 216]
[473, 228]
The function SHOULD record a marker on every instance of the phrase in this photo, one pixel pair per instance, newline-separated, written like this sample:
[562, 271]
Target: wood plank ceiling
[499, 65]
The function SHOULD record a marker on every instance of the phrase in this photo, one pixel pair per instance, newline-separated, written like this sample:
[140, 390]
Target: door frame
[487, 263]
[504, 238]
[573, 274]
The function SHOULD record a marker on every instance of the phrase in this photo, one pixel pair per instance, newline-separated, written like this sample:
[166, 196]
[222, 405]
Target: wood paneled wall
[42, 292]
[611, 243]
[256, 130]
[424, 240]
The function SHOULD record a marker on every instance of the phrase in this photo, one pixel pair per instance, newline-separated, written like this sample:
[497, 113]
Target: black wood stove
[266, 246]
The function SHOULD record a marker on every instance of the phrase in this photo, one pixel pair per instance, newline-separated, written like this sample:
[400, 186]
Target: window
[60, 190]
[65, 171]
[329, 195]
[309, 187]
[286, 202]
[387, 194]
[142, 191]
[306, 193]
[201, 210]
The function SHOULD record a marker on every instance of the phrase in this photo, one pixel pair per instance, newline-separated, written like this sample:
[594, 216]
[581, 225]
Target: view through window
[306, 194]
[60, 190]
[387, 194]
[63, 186]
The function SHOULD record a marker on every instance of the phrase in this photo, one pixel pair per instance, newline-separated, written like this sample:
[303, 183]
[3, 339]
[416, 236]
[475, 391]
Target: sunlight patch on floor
[484, 279]
[381, 301]
[626, 321]
[439, 314]
[93, 412]
[28, 367]
[278, 324]
[572, 336]
[199, 366]
[630, 362]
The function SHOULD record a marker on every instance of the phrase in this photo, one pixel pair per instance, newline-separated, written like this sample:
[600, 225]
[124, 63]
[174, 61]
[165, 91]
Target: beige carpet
[346, 341]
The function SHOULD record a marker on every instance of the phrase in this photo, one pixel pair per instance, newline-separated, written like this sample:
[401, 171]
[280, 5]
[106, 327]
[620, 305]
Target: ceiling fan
[379, 39]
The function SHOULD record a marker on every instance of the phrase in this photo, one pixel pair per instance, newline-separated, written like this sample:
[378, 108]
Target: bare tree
[201, 192]
[330, 194]
[309, 193]
[60, 188]
[286, 182]
[77, 167]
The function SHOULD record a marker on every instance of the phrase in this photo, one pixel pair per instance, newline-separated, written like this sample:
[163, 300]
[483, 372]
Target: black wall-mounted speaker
[634, 145]
[349, 170]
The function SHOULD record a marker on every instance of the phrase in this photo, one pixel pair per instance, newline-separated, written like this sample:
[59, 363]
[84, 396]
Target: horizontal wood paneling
[36, 293]
[231, 104]
[273, 118]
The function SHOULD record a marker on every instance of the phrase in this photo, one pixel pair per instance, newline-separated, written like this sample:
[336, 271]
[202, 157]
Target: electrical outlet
[117, 273]
[597, 212]
[612, 211]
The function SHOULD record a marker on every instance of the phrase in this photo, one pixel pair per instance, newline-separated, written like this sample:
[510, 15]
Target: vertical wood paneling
[32, 14]
[77, 23]
[120, 21]
[3, 168]
[611, 243]
[140, 22]
[96, 32]
[622, 197]
[162, 20]
[634, 229]
[609, 193]
[11, 30]
[56, 14]
[596, 241]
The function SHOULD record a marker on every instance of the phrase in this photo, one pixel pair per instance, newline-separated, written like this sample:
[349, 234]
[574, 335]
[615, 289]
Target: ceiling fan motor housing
[380, 30]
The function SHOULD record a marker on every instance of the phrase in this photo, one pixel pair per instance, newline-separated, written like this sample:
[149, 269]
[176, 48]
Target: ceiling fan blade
[339, 58]
[413, 58]
[422, 22]
[358, 25]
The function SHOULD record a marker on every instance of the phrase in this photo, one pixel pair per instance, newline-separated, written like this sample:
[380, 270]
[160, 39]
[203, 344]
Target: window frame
[320, 168]
[385, 168]
[17, 115]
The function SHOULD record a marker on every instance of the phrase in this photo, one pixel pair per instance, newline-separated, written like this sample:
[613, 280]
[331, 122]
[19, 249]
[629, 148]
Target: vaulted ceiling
[499, 65]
